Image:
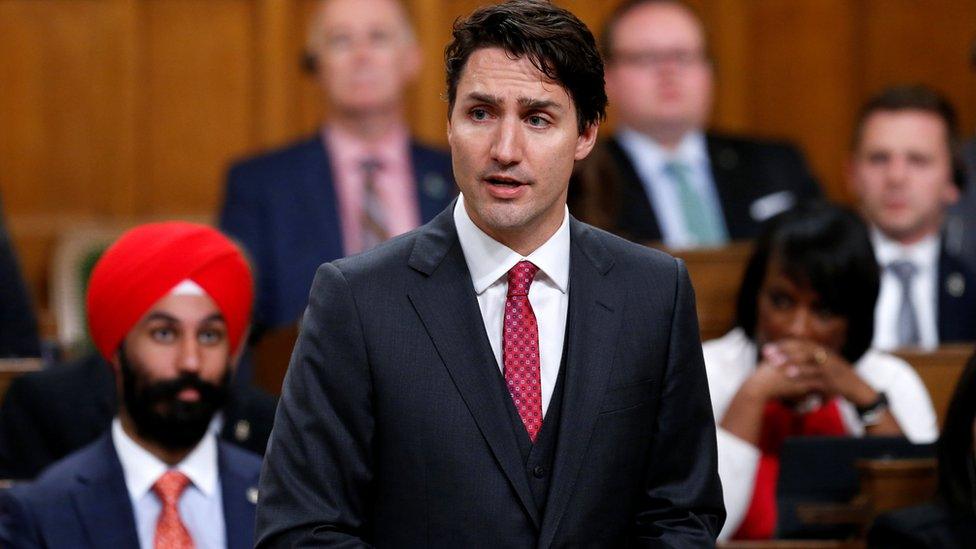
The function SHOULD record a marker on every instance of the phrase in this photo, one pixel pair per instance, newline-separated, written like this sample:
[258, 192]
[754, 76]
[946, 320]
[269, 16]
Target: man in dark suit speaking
[504, 376]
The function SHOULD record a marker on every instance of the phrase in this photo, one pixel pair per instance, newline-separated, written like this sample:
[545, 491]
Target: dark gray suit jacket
[960, 230]
[389, 432]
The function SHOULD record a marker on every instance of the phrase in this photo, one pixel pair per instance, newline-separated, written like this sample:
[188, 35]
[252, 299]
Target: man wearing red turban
[168, 308]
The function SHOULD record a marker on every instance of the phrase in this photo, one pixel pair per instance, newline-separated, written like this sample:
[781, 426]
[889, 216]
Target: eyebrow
[170, 318]
[526, 102]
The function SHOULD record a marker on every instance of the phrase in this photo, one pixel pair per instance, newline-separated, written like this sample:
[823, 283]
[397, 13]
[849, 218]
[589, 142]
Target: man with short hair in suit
[360, 180]
[661, 176]
[905, 172]
[168, 306]
[504, 376]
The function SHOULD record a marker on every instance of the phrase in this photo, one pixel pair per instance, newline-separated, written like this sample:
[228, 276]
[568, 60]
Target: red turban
[147, 262]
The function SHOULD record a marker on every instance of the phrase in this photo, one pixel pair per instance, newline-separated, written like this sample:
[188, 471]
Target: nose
[800, 323]
[189, 356]
[507, 148]
[897, 170]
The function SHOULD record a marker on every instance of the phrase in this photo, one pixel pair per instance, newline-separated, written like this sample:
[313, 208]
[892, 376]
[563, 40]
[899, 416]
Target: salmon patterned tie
[521, 348]
[171, 533]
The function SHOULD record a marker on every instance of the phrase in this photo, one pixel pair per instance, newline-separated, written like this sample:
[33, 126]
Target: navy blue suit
[283, 208]
[82, 501]
[956, 298]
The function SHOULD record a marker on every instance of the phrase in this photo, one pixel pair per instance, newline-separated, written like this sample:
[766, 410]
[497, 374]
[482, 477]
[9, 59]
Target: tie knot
[370, 165]
[903, 269]
[170, 486]
[676, 169]
[520, 278]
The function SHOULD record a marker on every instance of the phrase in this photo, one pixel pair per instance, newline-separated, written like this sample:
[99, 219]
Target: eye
[780, 300]
[479, 114]
[538, 121]
[339, 42]
[211, 336]
[380, 37]
[163, 334]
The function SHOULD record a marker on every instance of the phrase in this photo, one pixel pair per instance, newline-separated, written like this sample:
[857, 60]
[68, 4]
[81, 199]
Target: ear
[950, 194]
[586, 141]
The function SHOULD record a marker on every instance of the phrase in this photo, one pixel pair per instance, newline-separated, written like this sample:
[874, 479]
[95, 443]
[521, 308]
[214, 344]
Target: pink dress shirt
[394, 182]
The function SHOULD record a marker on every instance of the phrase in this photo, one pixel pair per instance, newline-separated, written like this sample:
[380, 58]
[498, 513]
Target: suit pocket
[626, 396]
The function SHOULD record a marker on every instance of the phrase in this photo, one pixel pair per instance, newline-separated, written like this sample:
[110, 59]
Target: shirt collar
[347, 149]
[692, 149]
[142, 469]
[489, 260]
[924, 253]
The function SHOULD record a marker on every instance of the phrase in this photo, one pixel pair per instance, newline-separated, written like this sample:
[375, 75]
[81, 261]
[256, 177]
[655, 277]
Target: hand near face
[835, 374]
[779, 377]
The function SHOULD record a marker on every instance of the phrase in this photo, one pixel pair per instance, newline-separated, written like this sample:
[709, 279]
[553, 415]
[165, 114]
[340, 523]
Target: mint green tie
[702, 225]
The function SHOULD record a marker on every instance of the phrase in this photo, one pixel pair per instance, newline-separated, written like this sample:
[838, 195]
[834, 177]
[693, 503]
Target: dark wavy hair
[555, 40]
[957, 468]
[827, 248]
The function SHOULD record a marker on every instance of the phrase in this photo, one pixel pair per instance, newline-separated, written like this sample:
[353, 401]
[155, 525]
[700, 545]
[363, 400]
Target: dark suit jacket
[18, 327]
[961, 223]
[753, 179]
[47, 415]
[930, 526]
[282, 207]
[389, 432]
[957, 298]
[82, 501]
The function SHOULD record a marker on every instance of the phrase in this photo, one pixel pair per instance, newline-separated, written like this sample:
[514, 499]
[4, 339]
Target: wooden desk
[716, 274]
[13, 367]
[939, 370]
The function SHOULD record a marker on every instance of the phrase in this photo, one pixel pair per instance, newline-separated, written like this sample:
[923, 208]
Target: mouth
[189, 395]
[505, 187]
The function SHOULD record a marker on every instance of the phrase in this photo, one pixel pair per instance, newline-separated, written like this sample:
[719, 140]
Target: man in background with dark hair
[504, 376]
[359, 181]
[660, 176]
[905, 172]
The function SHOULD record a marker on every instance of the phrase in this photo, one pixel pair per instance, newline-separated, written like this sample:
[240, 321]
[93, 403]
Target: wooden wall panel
[200, 100]
[122, 109]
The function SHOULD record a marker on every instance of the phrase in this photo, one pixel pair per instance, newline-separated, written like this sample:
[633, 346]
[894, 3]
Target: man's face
[901, 173]
[365, 55]
[174, 367]
[514, 139]
[658, 76]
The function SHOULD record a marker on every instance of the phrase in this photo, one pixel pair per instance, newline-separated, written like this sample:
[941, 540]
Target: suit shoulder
[276, 159]
[429, 152]
[630, 254]
[57, 479]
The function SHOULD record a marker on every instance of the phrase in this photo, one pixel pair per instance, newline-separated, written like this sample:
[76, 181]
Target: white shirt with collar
[925, 290]
[489, 262]
[650, 160]
[201, 505]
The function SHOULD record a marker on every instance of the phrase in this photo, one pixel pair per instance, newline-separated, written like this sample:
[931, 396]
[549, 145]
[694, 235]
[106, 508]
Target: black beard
[162, 418]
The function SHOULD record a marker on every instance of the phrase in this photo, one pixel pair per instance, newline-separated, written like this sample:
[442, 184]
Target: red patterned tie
[171, 533]
[520, 343]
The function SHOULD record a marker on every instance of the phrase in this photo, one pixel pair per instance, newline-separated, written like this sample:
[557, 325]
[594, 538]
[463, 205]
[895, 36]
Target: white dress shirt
[650, 161]
[925, 255]
[489, 262]
[731, 359]
[201, 505]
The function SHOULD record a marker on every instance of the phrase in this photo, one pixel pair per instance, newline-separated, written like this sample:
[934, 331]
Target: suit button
[539, 471]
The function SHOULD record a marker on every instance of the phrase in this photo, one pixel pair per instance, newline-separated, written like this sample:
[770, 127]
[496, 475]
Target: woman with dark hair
[798, 362]
[949, 521]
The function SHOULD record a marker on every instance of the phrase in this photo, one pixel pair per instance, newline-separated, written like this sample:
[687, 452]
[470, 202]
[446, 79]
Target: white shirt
[925, 296]
[731, 359]
[201, 505]
[650, 161]
[489, 262]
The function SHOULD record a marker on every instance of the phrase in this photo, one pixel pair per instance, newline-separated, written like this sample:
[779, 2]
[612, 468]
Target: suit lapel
[319, 222]
[448, 308]
[433, 187]
[728, 177]
[956, 300]
[239, 493]
[636, 215]
[591, 333]
[103, 502]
